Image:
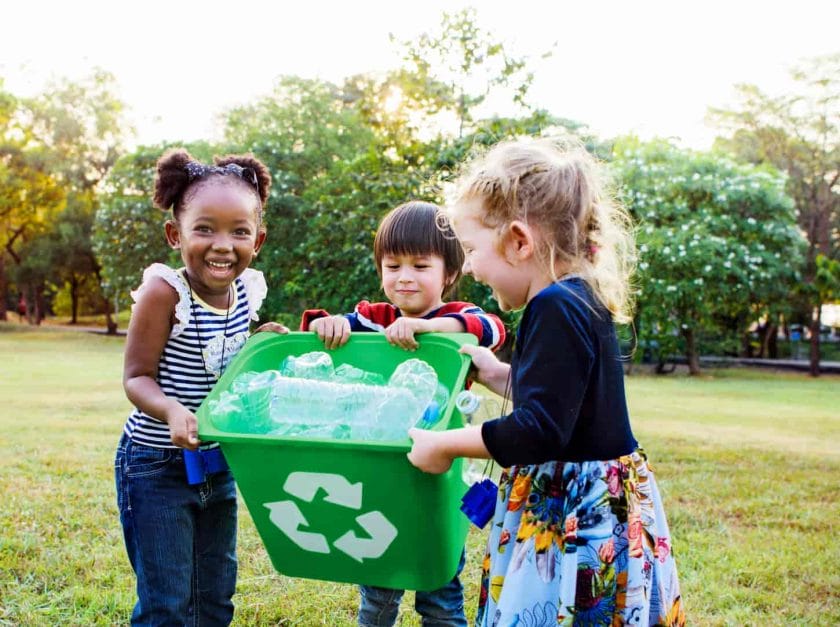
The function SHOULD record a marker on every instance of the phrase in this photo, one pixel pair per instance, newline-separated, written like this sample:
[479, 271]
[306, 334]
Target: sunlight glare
[393, 100]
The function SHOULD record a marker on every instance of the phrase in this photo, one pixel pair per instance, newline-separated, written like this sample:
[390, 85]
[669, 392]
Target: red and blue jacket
[376, 317]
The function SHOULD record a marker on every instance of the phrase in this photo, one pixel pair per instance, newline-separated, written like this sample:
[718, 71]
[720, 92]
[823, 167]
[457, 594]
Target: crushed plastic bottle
[350, 374]
[314, 365]
[226, 411]
[309, 397]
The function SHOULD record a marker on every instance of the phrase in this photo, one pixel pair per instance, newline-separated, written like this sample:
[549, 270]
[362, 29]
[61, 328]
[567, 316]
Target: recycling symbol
[287, 517]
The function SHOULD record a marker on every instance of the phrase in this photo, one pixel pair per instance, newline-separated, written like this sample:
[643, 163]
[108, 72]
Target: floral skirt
[580, 543]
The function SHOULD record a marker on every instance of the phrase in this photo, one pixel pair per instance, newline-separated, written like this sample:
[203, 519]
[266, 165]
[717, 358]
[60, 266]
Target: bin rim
[262, 341]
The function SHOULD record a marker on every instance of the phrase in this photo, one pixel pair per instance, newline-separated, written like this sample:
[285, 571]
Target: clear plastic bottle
[313, 365]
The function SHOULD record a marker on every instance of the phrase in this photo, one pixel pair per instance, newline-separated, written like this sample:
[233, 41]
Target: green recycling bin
[350, 510]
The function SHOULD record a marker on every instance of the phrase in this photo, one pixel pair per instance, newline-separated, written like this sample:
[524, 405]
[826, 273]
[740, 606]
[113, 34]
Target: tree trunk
[691, 351]
[746, 345]
[40, 304]
[4, 286]
[74, 300]
[815, 340]
[31, 307]
[769, 344]
[110, 322]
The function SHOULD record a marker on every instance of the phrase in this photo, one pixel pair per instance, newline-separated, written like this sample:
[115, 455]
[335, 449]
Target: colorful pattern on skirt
[583, 543]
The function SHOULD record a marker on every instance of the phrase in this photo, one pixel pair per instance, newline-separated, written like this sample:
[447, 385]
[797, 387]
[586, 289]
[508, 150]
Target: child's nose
[222, 242]
[466, 268]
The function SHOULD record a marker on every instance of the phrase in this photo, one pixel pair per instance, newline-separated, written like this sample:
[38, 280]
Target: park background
[738, 256]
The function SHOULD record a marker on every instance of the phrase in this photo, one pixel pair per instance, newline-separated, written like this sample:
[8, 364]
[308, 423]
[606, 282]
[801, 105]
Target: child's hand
[428, 453]
[274, 327]
[491, 372]
[334, 331]
[402, 330]
[183, 426]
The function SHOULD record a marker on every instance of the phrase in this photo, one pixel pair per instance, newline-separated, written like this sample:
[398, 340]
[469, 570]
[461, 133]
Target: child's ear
[449, 283]
[260, 241]
[520, 240]
[173, 235]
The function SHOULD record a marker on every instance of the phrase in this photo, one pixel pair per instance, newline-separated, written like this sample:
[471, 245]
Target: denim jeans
[180, 538]
[443, 607]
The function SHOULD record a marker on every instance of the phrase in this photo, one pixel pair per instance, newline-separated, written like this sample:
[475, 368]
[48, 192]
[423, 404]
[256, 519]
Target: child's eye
[203, 228]
[421, 266]
[242, 232]
[392, 266]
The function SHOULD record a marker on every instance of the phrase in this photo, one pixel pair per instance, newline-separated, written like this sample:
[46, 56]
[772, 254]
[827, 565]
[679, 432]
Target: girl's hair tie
[196, 170]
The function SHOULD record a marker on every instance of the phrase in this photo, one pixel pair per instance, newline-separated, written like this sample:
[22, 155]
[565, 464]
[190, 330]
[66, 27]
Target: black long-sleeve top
[567, 384]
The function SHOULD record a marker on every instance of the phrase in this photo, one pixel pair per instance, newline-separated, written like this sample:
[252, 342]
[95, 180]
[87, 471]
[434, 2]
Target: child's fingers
[329, 335]
[345, 334]
[274, 327]
[337, 331]
[469, 349]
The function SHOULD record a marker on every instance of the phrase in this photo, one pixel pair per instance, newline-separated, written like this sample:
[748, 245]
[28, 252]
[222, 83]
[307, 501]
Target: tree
[30, 198]
[458, 67]
[302, 131]
[72, 261]
[80, 128]
[343, 208]
[717, 240]
[800, 134]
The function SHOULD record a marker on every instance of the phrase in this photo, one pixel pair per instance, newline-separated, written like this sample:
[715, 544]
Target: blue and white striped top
[200, 331]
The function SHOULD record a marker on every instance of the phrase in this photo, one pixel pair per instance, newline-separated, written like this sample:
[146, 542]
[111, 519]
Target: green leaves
[717, 239]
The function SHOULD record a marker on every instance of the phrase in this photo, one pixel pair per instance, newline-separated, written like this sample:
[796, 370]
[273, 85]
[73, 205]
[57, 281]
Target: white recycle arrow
[305, 485]
[381, 532]
[288, 518]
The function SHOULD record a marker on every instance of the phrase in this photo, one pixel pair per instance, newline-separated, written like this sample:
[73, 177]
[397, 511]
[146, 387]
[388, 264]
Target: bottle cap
[467, 402]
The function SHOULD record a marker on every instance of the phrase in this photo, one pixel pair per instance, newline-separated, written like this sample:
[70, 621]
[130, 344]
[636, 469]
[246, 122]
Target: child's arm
[488, 328]
[401, 332]
[433, 451]
[454, 317]
[148, 333]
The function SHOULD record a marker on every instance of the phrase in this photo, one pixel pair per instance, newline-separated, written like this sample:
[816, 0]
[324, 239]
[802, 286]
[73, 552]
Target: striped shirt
[194, 357]
[372, 317]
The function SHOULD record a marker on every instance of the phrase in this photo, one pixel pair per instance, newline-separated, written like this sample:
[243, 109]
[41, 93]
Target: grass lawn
[747, 462]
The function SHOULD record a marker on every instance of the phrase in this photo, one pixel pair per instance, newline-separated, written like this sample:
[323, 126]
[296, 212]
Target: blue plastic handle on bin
[203, 462]
[479, 502]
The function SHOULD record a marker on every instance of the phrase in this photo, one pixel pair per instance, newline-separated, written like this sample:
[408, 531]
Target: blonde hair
[558, 189]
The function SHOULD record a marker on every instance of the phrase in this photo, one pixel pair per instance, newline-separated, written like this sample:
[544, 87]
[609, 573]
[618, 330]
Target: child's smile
[414, 283]
[217, 234]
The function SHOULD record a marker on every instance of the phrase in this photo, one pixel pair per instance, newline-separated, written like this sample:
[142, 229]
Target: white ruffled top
[253, 280]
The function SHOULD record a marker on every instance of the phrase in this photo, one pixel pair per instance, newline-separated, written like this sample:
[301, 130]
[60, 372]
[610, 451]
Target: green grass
[746, 461]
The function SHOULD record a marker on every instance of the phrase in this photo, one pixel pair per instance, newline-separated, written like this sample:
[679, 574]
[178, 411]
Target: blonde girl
[579, 535]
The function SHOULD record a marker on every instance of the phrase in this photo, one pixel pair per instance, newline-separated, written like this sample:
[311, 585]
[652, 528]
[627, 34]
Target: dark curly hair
[174, 179]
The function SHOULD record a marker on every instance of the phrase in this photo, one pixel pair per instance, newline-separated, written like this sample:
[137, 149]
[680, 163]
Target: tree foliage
[57, 147]
[799, 133]
[717, 241]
